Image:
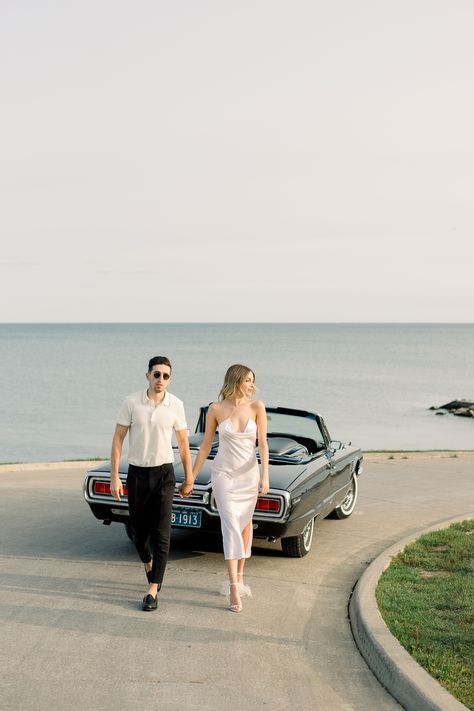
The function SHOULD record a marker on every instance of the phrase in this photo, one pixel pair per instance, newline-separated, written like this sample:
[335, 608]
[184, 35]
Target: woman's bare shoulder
[212, 417]
[215, 409]
[258, 406]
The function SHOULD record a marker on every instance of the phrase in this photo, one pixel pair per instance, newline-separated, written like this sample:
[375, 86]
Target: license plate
[186, 517]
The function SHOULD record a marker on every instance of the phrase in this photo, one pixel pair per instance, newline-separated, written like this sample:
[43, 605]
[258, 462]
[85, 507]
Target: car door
[341, 470]
[311, 491]
[340, 462]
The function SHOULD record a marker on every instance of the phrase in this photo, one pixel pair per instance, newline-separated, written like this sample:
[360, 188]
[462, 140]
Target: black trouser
[150, 500]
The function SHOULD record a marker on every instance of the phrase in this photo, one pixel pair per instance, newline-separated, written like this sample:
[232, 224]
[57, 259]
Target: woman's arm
[261, 421]
[204, 449]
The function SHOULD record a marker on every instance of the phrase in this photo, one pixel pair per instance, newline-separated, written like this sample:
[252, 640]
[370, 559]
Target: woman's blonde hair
[233, 380]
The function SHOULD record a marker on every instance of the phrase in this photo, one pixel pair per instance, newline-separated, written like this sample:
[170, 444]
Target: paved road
[73, 635]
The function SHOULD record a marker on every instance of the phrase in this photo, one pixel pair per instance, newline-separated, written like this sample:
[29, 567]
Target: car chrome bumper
[201, 498]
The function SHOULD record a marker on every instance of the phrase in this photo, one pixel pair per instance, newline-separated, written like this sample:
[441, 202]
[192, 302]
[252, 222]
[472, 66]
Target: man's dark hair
[159, 360]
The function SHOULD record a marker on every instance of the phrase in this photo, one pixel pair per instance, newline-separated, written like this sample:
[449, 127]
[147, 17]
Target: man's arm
[183, 444]
[116, 486]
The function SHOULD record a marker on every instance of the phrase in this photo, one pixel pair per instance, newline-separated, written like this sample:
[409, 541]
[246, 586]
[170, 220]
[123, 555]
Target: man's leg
[138, 485]
[160, 521]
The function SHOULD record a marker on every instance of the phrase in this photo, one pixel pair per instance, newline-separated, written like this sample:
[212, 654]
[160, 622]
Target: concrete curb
[53, 466]
[393, 666]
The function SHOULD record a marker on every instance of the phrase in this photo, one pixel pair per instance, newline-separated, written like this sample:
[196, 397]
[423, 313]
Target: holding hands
[186, 488]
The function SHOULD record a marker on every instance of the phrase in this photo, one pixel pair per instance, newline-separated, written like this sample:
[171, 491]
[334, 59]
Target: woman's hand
[263, 486]
[186, 488]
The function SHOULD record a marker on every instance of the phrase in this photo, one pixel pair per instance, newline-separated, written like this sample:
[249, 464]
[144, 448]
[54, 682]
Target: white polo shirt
[151, 428]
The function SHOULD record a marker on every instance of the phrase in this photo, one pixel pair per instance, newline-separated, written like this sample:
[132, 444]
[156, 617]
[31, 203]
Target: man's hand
[186, 488]
[116, 487]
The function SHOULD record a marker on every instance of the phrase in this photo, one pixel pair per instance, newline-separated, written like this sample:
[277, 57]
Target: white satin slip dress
[235, 477]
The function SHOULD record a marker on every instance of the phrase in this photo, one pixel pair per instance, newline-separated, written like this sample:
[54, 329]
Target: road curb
[50, 466]
[393, 666]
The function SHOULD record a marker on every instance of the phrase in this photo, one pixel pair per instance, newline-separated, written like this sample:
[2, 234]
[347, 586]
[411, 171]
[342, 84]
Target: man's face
[159, 378]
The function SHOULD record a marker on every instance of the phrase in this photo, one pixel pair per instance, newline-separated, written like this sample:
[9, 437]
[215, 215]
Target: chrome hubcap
[308, 534]
[349, 501]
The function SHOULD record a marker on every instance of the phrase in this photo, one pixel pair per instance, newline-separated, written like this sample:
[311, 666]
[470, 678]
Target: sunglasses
[158, 374]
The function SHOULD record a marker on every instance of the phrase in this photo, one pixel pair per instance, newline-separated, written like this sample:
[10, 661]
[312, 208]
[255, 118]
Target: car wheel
[130, 531]
[298, 546]
[348, 505]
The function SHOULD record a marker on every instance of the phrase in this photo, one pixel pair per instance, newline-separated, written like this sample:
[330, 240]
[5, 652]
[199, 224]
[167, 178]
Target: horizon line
[228, 323]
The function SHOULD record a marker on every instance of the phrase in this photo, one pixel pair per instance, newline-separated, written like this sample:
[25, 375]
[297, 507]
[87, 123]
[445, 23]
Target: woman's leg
[234, 593]
[245, 539]
[236, 572]
[232, 570]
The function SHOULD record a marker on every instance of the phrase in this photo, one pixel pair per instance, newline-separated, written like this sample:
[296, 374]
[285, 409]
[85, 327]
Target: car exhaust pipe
[106, 521]
[271, 539]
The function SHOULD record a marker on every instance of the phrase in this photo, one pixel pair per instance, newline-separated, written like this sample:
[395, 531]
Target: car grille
[200, 496]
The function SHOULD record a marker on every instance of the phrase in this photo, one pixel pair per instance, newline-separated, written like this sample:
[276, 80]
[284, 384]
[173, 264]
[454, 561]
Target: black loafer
[150, 603]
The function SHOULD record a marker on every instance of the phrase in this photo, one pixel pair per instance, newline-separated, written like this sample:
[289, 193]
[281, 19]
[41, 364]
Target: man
[150, 416]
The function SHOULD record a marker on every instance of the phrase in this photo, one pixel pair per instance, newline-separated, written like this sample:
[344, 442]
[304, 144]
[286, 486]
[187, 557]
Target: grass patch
[426, 598]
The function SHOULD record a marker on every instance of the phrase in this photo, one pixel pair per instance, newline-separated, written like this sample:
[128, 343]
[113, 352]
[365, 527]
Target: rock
[464, 411]
[462, 408]
[456, 405]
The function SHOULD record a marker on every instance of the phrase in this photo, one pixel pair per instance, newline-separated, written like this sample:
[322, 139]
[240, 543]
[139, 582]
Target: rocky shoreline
[463, 408]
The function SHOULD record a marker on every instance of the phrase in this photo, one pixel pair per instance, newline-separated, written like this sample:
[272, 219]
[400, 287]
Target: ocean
[62, 384]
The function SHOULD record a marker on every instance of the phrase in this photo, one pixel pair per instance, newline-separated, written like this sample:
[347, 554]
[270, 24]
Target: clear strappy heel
[244, 590]
[236, 607]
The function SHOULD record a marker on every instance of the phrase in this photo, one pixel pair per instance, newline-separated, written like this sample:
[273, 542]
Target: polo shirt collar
[166, 400]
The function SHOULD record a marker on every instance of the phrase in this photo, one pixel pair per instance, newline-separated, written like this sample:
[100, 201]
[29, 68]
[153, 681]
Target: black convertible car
[311, 476]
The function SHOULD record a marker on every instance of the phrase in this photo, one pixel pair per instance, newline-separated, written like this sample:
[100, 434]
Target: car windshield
[294, 425]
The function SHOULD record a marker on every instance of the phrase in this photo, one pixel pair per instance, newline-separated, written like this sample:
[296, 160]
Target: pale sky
[254, 160]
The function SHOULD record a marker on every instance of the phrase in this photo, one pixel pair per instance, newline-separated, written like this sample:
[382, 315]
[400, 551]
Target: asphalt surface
[73, 635]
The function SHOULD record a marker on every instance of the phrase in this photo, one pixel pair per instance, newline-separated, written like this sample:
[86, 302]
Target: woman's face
[248, 385]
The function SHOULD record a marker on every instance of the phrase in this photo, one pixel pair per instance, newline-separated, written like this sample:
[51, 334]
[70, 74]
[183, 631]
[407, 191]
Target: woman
[236, 481]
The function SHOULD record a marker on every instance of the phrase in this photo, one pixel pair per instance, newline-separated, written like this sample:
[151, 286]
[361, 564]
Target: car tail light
[268, 505]
[103, 487]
